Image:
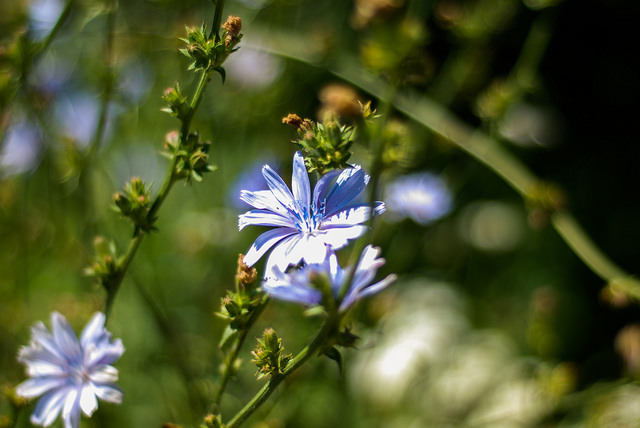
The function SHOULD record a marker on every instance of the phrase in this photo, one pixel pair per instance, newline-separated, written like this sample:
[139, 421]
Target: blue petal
[264, 242]
[37, 386]
[279, 188]
[262, 199]
[339, 236]
[361, 286]
[264, 218]
[321, 188]
[44, 339]
[348, 186]
[356, 214]
[300, 181]
[49, 406]
[94, 330]
[293, 293]
[65, 337]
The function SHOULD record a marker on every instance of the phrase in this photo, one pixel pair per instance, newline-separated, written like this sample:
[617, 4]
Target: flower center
[80, 375]
[308, 220]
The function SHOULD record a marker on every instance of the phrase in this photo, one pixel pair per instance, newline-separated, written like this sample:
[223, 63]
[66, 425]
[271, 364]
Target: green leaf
[336, 356]
[228, 334]
[222, 73]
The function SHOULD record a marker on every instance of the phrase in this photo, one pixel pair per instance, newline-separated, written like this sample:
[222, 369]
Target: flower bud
[269, 355]
[212, 421]
[245, 275]
[232, 27]
[177, 102]
[293, 120]
[134, 202]
[341, 100]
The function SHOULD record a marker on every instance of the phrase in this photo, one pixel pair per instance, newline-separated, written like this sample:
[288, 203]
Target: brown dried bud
[293, 120]
[341, 100]
[245, 275]
[232, 26]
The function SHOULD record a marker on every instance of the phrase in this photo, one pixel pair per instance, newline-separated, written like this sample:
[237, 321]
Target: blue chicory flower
[306, 225]
[423, 197]
[296, 285]
[70, 374]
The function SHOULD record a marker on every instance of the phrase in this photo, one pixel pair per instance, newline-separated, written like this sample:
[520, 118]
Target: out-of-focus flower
[21, 149]
[423, 197]
[492, 226]
[527, 125]
[305, 224]
[43, 15]
[78, 117]
[253, 68]
[70, 374]
[299, 285]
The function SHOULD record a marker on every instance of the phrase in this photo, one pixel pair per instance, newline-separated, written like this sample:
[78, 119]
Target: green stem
[179, 347]
[123, 264]
[275, 381]
[36, 50]
[231, 357]
[108, 79]
[44, 45]
[167, 184]
[376, 144]
[217, 20]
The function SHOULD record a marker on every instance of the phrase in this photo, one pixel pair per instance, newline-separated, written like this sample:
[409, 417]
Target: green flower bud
[269, 356]
[134, 202]
[177, 103]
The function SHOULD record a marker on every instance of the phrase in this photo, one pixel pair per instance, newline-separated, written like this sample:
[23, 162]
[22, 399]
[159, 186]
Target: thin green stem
[217, 20]
[179, 346]
[376, 145]
[273, 383]
[167, 184]
[123, 264]
[44, 45]
[230, 359]
[108, 81]
[35, 51]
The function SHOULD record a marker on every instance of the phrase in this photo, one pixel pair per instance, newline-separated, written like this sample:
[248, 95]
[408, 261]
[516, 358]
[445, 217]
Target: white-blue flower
[297, 285]
[423, 197]
[70, 374]
[305, 224]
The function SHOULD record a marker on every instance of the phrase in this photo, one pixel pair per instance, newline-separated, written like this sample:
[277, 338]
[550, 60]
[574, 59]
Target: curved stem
[482, 147]
[275, 381]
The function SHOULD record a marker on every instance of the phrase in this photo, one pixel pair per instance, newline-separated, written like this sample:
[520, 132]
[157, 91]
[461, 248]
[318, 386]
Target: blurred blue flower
[297, 285]
[70, 373]
[78, 116]
[43, 15]
[305, 224]
[423, 197]
[21, 149]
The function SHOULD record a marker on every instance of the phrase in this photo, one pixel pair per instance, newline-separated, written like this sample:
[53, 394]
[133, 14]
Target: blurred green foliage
[494, 322]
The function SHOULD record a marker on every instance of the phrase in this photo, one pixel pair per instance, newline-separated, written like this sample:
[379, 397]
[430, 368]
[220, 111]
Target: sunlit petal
[300, 181]
[264, 243]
